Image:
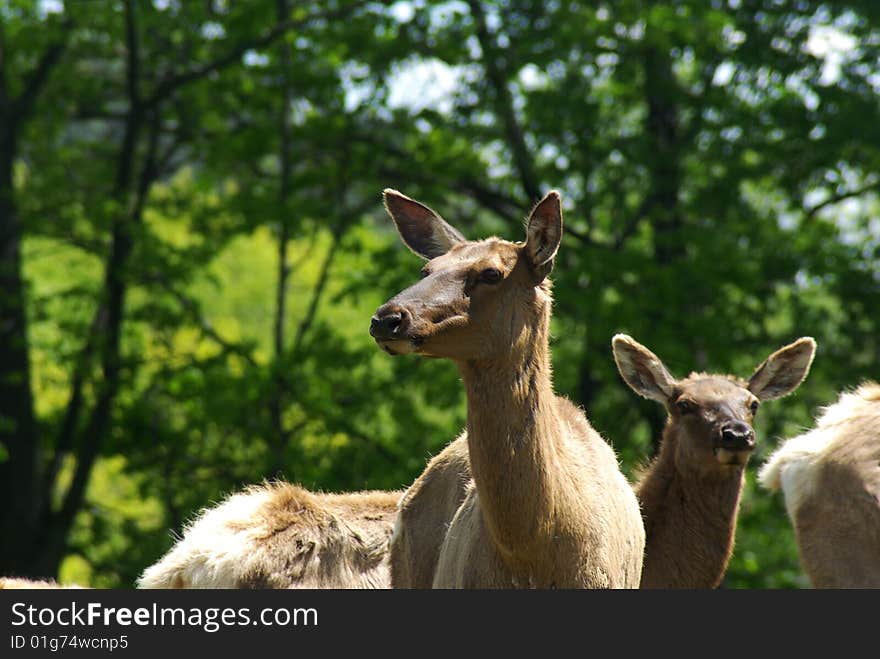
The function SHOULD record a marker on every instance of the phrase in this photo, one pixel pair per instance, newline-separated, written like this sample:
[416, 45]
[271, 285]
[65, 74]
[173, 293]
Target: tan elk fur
[830, 478]
[283, 536]
[426, 510]
[552, 511]
[690, 492]
[18, 583]
[549, 506]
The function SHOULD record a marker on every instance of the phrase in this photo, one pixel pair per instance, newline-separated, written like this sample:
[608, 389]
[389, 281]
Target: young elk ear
[421, 229]
[544, 233]
[642, 369]
[784, 370]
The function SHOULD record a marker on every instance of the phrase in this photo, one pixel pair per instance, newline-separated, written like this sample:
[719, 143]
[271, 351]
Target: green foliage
[717, 164]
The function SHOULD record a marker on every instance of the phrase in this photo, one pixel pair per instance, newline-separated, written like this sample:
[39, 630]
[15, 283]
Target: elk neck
[678, 501]
[515, 436]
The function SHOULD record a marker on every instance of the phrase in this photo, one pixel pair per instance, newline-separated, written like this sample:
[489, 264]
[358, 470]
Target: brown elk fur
[549, 506]
[690, 492]
[283, 536]
[830, 477]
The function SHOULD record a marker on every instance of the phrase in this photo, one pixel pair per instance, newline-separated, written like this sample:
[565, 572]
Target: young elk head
[711, 415]
[476, 299]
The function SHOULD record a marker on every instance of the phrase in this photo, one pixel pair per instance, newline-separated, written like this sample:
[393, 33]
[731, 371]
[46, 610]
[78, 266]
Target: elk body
[549, 506]
[425, 513]
[830, 477]
[690, 493]
[283, 536]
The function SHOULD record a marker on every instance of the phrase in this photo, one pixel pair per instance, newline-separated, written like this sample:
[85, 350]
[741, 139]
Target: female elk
[690, 492]
[830, 477]
[549, 506]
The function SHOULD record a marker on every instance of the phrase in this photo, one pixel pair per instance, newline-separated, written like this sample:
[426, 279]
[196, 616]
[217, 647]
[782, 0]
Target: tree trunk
[19, 435]
[662, 131]
[56, 524]
[496, 74]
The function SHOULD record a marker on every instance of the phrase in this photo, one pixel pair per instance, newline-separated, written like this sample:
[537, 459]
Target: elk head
[712, 415]
[476, 299]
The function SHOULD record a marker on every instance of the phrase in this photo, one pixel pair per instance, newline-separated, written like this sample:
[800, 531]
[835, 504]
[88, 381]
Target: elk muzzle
[735, 443]
[737, 437]
[430, 307]
[389, 323]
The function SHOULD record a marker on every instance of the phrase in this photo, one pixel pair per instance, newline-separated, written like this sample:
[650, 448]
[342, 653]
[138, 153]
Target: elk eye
[685, 406]
[424, 273]
[754, 407]
[490, 276]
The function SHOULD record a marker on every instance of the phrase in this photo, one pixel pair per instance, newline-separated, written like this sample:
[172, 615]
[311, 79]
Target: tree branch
[168, 86]
[582, 237]
[504, 104]
[843, 196]
[347, 217]
[36, 80]
[112, 309]
[690, 133]
[348, 428]
[285, 130]
[191, 307]
[133, 61]
[67, 430]
[632, 222]
[505, 207]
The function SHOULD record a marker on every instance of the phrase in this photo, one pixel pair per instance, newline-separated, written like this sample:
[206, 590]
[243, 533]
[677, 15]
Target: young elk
[830, 477]
[283, 536]
[549, 506]
[690, 492]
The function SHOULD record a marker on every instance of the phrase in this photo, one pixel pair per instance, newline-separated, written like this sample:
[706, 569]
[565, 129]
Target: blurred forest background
[192, 241]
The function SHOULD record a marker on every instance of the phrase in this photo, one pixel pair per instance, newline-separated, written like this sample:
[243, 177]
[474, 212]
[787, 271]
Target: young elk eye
[754, 407]
[685, 406]
[490, 276]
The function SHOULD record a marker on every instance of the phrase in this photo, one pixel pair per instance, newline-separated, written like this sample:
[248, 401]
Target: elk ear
[421, 229]
[784, 370]
[544, 233]
[642, 370]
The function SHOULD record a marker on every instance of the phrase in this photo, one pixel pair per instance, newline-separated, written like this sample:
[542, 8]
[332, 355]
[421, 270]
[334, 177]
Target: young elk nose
[738, 436]
[388, 323]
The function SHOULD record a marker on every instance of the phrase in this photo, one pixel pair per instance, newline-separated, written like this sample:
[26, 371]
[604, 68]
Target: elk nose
[386, 324]
[738, 436]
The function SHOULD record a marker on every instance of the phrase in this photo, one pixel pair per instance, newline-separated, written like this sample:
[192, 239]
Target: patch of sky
[430, 83]
[46, 7]
[213, 30]
[834, 46]
[254, 58]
